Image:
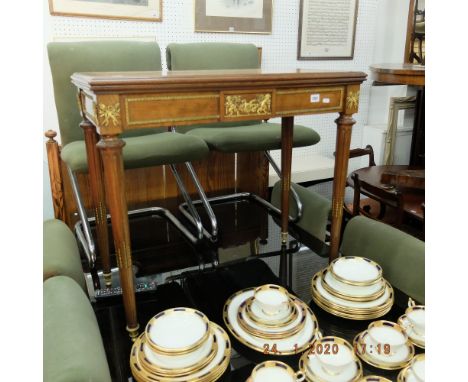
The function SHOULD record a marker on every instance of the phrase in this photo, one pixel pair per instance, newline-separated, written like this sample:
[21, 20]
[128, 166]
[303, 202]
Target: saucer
[374, 378]
[416, 339]
[408, 374]
[275, 371]
[355, 270]
[311, 367]
[272, 332]
[257, 315]
[369, 353]
[210, 372]
[286, 346]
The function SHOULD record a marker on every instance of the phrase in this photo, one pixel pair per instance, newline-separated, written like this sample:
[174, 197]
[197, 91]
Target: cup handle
[411, 302]
[300, 376]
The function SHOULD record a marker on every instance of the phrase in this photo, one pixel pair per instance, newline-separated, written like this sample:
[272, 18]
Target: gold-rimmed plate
[210, 373]
[316, 373]
[365, 351]
[270, 332]
[256, 315]
[374, 378]
[152, 366]
[177, 331]
[354, 270]
[417, 340]
[352, 292]
[348, 312]
[287, 346]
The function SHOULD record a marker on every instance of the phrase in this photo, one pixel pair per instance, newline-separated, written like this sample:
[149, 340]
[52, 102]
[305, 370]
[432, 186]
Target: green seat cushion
[400, 255]
[315, 211]
[72, 349]
[212, 56]
[60, 252]
[144, 151]
[259, 137]
[66, 58]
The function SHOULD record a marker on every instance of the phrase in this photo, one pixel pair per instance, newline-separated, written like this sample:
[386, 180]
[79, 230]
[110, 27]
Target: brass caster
[133, 332]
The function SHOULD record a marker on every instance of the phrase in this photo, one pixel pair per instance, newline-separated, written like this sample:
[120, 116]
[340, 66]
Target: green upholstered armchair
[143, 147]
[73, 350]
[400, 255]
[60, 254]
[238, 136]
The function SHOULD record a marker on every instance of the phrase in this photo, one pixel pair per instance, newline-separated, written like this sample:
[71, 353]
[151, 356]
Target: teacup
[275, 371]
[272, 299]
[387, 333]
[416, 315]
[334, 354]
[418, 367]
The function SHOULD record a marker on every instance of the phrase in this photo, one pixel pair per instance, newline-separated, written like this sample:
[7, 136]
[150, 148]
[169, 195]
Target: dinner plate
[209, 373]
[257, 315]
[415, 338]
[177, 331]
[270, 332]
[351, 306]
[355, 270]
[368, 352]
[287, 346]
[313, 370]
[352, 316]
[352, 292]
[185, 364]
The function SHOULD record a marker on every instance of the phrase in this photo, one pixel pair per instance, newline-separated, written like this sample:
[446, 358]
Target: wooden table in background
[112, 103]
[414, 196]
[413, 75]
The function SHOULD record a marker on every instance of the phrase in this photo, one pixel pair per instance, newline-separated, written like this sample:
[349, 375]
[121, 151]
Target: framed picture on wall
[233, 16]
[327, 29]
[143, 10]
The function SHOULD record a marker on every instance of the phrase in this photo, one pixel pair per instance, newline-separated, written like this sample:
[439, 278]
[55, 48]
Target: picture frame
[234, 16]
[330, 33]
[141, 10]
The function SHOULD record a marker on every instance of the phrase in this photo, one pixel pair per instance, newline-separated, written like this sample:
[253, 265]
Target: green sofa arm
[73, 348]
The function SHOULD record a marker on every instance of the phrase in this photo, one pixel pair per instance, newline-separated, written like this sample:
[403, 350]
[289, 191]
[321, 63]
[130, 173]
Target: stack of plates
[414, 372]
[353, 288]
[331, 359]
[269, 320]
[384, 345]
[180, 344]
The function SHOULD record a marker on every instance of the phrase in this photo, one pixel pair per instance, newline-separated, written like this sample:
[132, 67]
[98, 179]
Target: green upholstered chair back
[212, 56]
[400, 255]
[87, 56]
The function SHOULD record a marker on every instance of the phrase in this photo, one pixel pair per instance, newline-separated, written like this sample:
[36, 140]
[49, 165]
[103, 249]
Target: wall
[279, 51]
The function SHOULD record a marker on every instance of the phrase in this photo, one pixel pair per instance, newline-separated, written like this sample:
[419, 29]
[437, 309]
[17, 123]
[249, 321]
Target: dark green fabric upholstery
[60, 252]
[231, 136]
[400, 255]
[145, 147]
[144, 151]
[72, 349]
[211, 56]
[91, 56]
[316, 209]
[259, 137]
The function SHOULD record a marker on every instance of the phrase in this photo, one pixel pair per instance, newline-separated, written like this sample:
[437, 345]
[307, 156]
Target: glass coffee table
[172, 273]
